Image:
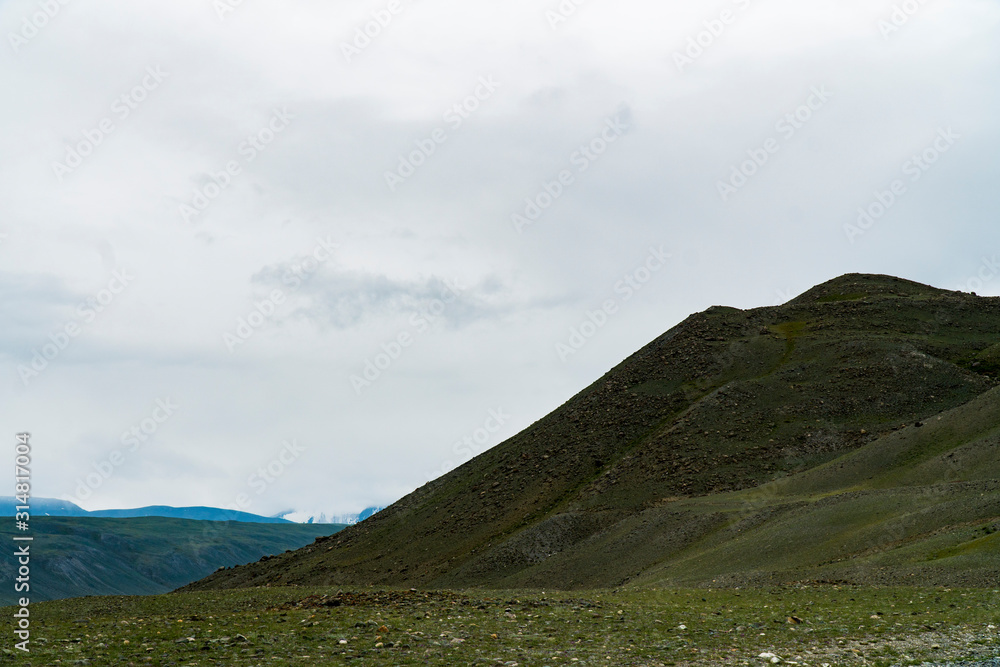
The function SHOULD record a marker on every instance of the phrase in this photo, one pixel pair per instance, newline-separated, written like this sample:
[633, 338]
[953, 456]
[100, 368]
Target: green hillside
[76, 556]
[848, 435]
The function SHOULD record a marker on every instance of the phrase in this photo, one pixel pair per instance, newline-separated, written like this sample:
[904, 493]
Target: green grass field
[311, 626]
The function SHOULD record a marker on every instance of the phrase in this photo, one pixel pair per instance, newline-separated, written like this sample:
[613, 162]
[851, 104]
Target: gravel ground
[992, 662]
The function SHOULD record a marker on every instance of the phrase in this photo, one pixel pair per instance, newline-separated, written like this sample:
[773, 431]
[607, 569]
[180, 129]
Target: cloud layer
[295, 190]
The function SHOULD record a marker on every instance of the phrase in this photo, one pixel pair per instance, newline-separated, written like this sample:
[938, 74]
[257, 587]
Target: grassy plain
[805, 625]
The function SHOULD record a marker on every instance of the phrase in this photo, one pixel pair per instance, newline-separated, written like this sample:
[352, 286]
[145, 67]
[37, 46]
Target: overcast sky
[235, 236]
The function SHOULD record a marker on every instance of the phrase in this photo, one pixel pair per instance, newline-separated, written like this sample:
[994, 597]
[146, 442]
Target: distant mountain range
[55, 507]
[86, 555]
[850, 435]
[322, 517]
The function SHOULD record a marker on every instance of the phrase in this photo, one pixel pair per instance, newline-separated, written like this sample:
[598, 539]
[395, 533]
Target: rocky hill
[852, 434]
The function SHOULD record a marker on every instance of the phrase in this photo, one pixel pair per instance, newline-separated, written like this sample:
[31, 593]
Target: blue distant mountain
[55, 507]
[42, 507]
[196, 513]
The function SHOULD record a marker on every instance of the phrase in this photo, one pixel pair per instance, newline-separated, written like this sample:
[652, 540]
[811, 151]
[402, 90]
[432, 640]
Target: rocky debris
[992, 662]
[377, 599]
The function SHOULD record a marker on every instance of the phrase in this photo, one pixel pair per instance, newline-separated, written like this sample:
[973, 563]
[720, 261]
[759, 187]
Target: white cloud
[323, 177]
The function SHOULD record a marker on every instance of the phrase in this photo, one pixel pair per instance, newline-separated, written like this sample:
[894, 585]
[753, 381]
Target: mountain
[54, 507]
[77, 556]
[42, 507]
[193, 513]
[323, 517]
[851, 434]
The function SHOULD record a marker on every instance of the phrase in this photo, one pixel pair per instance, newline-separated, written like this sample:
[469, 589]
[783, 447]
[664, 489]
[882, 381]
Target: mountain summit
[852, 434]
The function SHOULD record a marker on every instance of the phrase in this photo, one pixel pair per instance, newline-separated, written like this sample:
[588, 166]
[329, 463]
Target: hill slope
[848, 434]
[76, 556]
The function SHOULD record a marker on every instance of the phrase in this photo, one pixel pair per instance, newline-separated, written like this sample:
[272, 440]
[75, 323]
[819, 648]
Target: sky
[310, 255]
